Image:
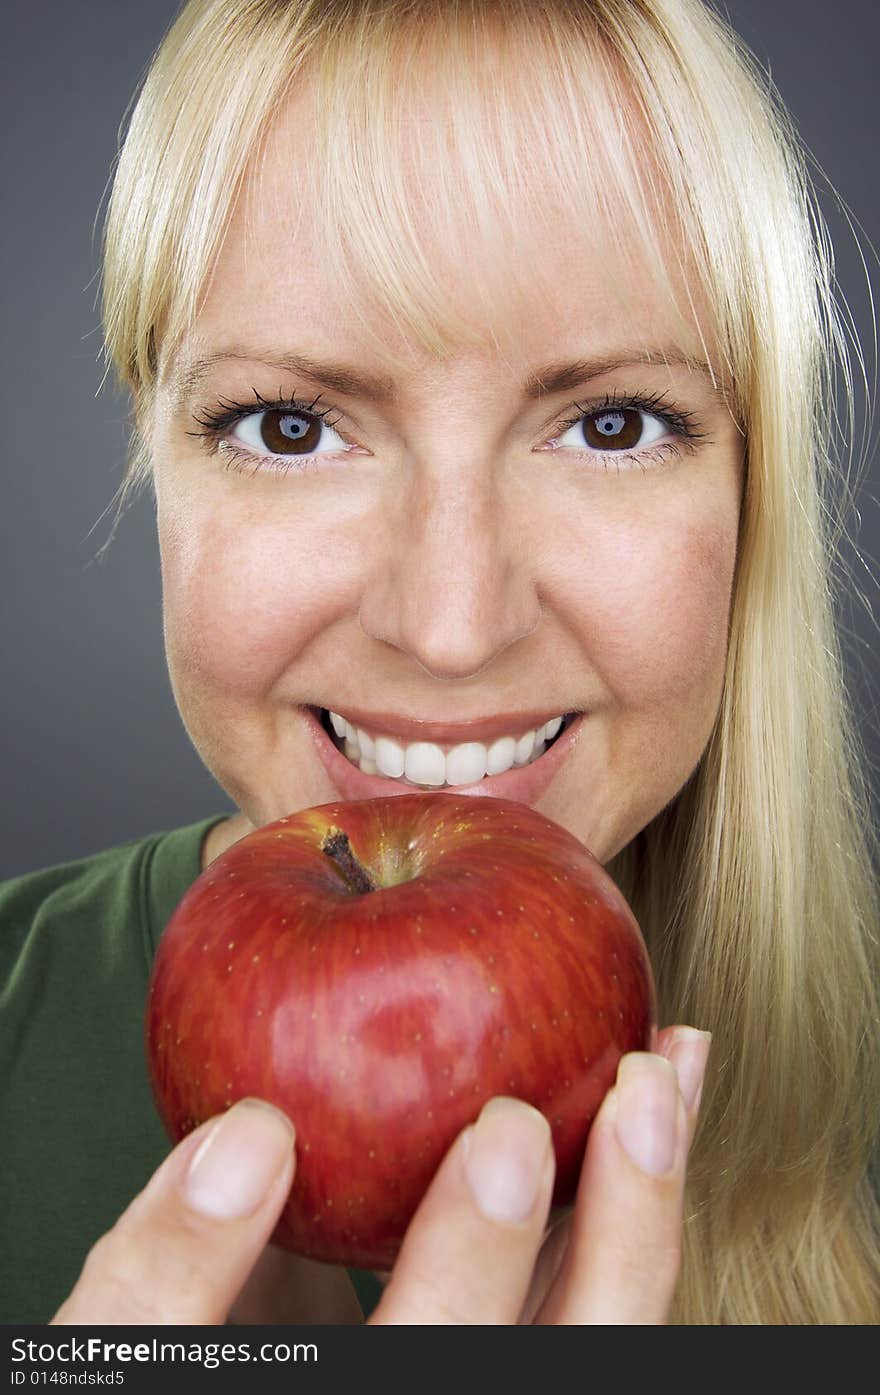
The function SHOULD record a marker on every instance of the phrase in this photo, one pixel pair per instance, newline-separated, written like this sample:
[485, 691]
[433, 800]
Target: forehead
[543, 281]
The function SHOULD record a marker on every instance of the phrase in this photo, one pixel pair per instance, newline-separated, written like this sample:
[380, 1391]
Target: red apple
[379, 969]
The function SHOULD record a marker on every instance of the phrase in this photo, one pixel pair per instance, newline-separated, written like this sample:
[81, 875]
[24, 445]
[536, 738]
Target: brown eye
[618, 429]
[614, 430]
[287, 431]
[290, 432]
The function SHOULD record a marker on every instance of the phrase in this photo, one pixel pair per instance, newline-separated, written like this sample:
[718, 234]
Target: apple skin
[497, 957]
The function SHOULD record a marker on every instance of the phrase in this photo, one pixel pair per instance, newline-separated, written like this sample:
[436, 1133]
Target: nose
[453, 584]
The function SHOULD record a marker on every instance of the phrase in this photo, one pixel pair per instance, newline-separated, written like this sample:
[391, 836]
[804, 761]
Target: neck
[222, 836]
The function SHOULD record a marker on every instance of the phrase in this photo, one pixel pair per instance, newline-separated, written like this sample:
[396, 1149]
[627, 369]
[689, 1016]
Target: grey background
[93, 751]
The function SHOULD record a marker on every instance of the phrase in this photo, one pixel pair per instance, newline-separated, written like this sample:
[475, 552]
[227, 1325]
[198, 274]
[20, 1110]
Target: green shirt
[79, 1133]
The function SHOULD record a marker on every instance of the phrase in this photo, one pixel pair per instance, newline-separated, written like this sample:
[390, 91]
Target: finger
[622, 1262]
[471, 1247]
[186, 1244]
[550, 1258]
[688, 1051]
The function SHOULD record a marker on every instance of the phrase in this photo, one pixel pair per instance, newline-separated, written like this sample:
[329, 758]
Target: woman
[480, 356]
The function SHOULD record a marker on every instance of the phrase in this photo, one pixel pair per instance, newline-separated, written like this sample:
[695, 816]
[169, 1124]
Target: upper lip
[483, 729]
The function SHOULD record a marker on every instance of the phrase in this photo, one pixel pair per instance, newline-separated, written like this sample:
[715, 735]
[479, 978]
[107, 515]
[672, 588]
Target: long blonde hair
[755, 887]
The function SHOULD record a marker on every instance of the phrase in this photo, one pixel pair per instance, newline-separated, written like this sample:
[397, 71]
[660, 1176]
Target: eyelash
[217, 421]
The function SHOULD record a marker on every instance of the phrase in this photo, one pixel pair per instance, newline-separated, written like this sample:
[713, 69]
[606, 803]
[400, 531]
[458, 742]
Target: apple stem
[338, 849]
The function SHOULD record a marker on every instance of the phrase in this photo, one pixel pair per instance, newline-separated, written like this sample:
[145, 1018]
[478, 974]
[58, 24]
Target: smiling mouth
[427, 765]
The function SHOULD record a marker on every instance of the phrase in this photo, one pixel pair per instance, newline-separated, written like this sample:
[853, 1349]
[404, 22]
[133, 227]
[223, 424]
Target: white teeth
[500, 757]
[367, 744]
[466, 764]
[524, 748]
[389, 757]
[425, 763]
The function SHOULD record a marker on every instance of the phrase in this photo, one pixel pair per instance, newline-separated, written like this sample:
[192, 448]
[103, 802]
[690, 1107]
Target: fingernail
[689, 1052]
[647, 1111]
[239, 1160]
[506, 1158]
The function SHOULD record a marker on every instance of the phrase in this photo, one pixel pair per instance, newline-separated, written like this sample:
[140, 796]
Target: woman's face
[451, 567]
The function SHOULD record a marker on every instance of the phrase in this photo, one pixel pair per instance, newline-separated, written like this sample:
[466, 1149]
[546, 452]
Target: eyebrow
[554, 377]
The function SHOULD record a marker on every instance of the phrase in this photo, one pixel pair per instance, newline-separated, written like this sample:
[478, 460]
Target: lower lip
[523, 783]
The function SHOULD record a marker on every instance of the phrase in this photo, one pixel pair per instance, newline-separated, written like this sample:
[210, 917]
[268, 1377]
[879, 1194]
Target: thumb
[183, 1249]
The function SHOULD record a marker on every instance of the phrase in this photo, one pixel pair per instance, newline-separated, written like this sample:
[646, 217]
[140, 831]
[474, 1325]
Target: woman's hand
[477, 1250]
[192, 1247]
[639, 1231]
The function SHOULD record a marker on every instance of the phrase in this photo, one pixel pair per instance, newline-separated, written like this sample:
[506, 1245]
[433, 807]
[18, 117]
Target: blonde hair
[755, 887]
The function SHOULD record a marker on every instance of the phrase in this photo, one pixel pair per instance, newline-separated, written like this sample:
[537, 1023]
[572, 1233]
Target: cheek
[245, 592]
[654, 604]
[652, 607]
